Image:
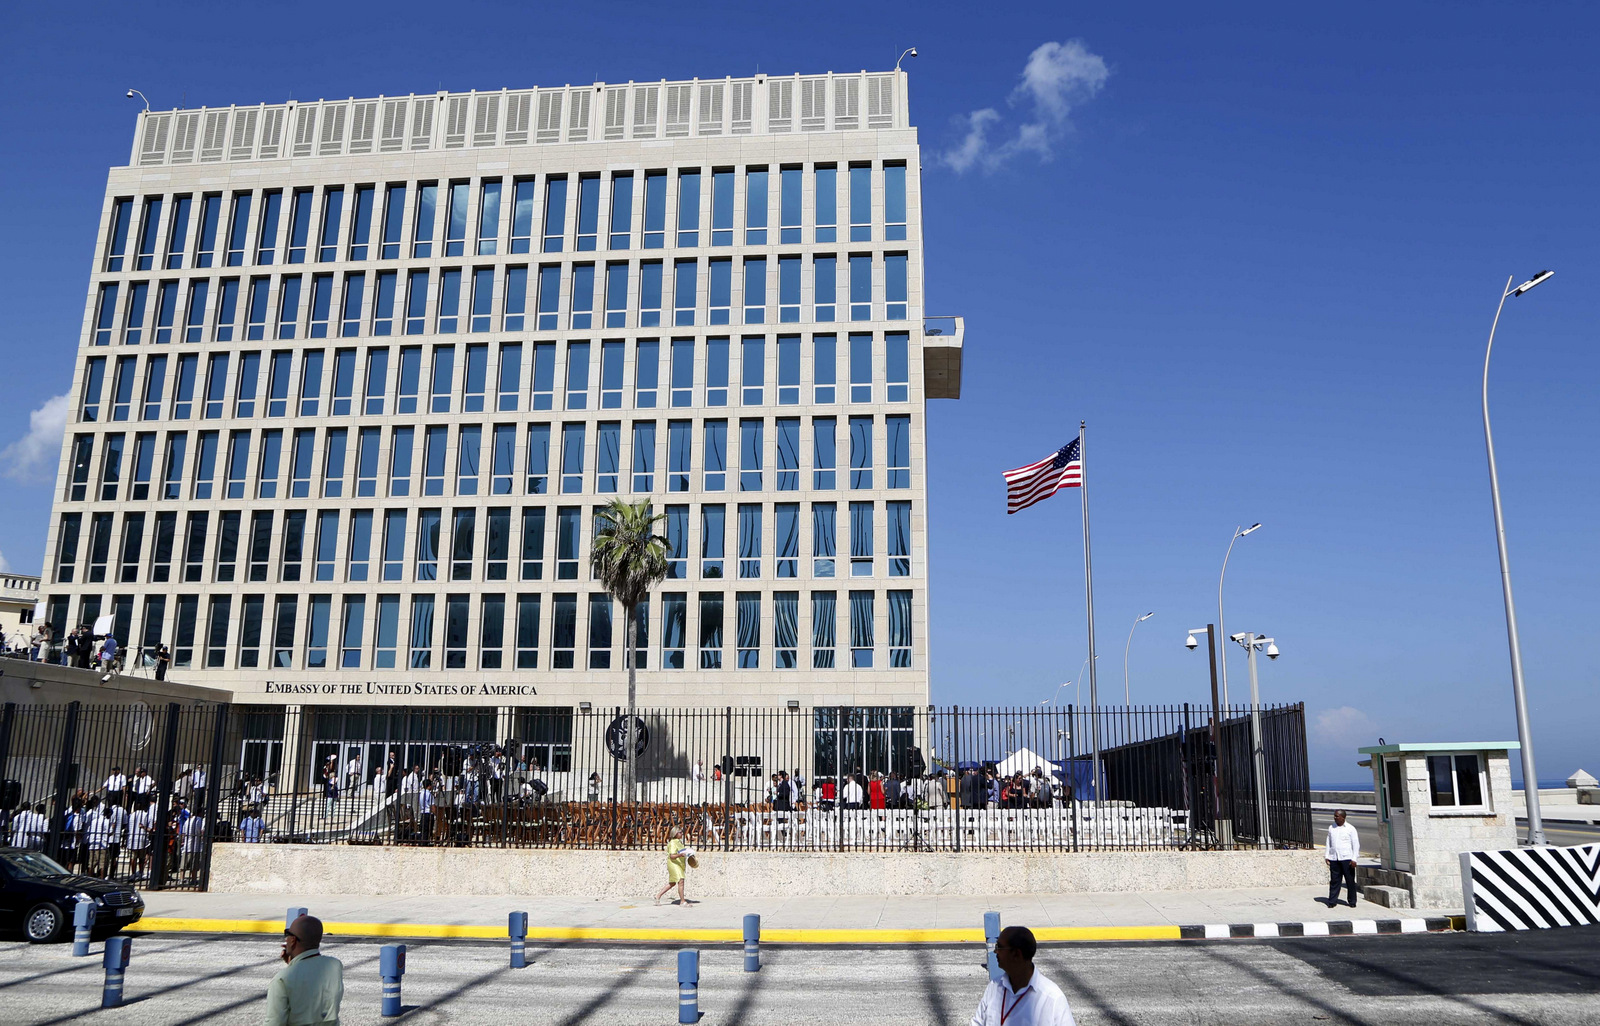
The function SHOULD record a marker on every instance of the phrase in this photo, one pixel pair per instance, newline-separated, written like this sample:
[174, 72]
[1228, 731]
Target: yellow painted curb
[604, 933]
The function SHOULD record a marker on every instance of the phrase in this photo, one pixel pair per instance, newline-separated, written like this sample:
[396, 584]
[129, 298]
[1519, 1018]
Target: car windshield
[34, 864]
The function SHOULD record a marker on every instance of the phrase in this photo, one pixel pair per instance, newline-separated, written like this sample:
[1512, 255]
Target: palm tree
[629, 558]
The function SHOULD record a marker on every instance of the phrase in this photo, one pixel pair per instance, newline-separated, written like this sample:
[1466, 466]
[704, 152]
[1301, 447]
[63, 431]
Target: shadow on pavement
[1558, 961]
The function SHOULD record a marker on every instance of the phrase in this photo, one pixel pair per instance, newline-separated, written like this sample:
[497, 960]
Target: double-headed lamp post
[1530, 778]
[1127, 698]
[1253, 643]
[1222, 621]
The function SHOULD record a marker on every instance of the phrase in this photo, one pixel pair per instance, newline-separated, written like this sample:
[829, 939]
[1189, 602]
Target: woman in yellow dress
[677, 866]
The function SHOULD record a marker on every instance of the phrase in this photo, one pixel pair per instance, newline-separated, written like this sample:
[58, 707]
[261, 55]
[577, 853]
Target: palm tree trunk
[632, 768]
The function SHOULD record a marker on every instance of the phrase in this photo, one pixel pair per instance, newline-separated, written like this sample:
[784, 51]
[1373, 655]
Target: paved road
[1366, 824]
[1549, 978]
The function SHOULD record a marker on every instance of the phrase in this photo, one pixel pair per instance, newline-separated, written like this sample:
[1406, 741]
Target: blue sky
[1257, 248]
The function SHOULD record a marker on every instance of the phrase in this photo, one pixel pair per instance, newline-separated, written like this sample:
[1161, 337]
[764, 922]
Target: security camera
[1238, 637]
[1191, 643]
[1272, 651]
[913, 52]
[130, 94]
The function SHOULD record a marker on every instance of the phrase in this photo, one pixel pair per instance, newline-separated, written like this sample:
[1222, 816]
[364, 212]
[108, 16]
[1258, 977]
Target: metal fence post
[727, 784]
[158, 839]
[838, 773]
[69, 739]
[7, 717]
[955, 730]
[213, 794]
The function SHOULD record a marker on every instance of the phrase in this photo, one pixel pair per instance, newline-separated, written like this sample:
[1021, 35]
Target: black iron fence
[140, 792]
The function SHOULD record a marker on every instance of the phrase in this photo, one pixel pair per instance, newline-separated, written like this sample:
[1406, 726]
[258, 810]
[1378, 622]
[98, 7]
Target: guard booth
[1436, 801]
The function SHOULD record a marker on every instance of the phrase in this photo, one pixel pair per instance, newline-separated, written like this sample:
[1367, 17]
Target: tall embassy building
[356, 375]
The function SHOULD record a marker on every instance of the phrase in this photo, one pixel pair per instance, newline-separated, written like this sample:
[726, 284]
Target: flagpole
[1088, 589]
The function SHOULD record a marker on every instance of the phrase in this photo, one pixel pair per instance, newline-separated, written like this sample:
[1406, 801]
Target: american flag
[1038, 481]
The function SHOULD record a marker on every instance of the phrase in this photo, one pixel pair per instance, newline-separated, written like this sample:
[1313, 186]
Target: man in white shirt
[141, 783]
[1021, 996]
[852, 793]
[115, 785]
[1344, 847]
[352, 771]
[140, 824]
[194, 843]
[29, 828]
[96, 838]
[412, 781]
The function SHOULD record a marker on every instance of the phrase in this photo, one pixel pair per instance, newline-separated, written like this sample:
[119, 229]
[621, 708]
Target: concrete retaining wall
[341, 869]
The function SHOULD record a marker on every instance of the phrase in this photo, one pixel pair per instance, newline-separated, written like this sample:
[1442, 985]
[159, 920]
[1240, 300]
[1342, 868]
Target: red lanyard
[1004, 1014]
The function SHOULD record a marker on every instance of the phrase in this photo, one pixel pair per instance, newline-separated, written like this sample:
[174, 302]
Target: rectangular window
[894, 286]
[715, 452]
[717, 371]
[683, 292]
[649, 294]
[489, 217]
[394, 544]
[527, 632]
[824, 538]
[184, 629]
[351, 633]
[679, 442]
[227, 310]
[621, 209]
[394, 212]
[256, 316]
[532, 543]
[100, 547]
[568, 524]
[900, 629]
[300, 463]
[497, 543]
[899, 539]
[463, 543]
[786, 629]
[178, 232]
[588, 212]
[267, 230]
[824, 628]
[577, 375]
[105, 314]
[206, 244]
[133, 321]
[788, 289]
[753, 369]
[617, 295]
[786, 546]
[538, 459]
[897, 357]
[894, 219]
[582, 296]
[789, 180]
[503, 456]
[722, 208]
[217, 634]
[449, 314]
[572, 440]
[427, 563]
[183, 390]
[194, 547]
[155, 381]
[94, 375]
[721, 291]
[383, 304]
[522, 200]
[711, 631]
[173, 469]
[67, 547]
[644, 456]
[350, 310]
[482, 298]
[861, 539]
[410, 379]
[861, 368]
[1455, 781]
[861, 630]
[216, 386]
[433, 460]
[122, 390]
[161, 546]
[514, 315]
[111, 466]
[205, 468]
[289, 306]
[860, 452]
[367, 439]
[750, 452]
[827, 184]
[755, 206]
[252, 611]
[674, 616]
[555, 212]
[475, 378]
[310, 382]
[421, 643]
[755, 290]
[748, 629]
[860, 203]
[788, 447]
[444, 371]
[166, 311]
[344, 381]
[899, 445]
[386, 633]
[611, 378]
[332, 211]
[377, 381]
[825, 282]
[259, 556]
[318, 615]
[682, 372]
[238, 464]
[416, 302]
[279, 370]
[400, 445]
[646, 374]
[238, 229]
[599, 632]
[327, 550]
[564, 631]
[607, 453]
[655, 209]
[117, 245]
[294, 544]
[549, 297]
[860, 287]
[713, 540]
[491, 631]
[144, 447]
[749, 539]
[361, 222]
[422, 225]
[677, 535]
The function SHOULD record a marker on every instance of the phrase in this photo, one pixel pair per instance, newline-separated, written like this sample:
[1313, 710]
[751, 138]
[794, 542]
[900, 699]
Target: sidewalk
[1113, 916]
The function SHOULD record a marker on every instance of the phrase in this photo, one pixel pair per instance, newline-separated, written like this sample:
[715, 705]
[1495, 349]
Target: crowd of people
[974, 788]
[82, 648]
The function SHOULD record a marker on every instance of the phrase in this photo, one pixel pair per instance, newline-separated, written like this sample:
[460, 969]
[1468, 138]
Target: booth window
[1455, 780]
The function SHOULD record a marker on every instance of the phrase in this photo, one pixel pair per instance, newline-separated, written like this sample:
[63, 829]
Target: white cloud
[32, 458]
[1057, 78]
[1344, 727]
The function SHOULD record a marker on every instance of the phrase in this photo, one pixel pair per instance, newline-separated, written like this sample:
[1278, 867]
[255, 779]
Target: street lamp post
[1222, 621]
[1126, 694]
[1252, 644]
[1530, 778]
[1224, 826]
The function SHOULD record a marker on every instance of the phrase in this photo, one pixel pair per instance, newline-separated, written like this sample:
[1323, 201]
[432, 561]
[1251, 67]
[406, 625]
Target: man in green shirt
[306, 991]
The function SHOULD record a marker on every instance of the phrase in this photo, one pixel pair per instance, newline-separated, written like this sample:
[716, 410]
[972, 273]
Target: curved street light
[1530, 779]
[1126, 700]
[1222, 621]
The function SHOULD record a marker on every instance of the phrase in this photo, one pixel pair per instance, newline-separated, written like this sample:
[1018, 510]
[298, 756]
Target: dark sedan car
[38, 895]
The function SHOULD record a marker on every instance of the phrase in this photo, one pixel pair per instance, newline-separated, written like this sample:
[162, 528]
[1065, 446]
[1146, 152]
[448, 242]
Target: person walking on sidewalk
[310, 987]
[1021, 996]
[1344, 846]
[678, 856]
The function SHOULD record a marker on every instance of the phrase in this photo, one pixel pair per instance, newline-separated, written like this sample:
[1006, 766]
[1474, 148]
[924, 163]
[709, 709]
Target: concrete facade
[19, 594]
[358, 870]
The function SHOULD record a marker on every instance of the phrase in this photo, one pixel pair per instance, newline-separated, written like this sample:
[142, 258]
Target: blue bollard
[116, 962]
[290, 916]
[752, 943]
[391, 966]
[82, 923]
[517, 928]
[991, 936]
[688, 986]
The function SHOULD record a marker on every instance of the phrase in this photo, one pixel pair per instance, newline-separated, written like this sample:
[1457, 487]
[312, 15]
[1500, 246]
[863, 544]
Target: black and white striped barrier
[1319, 928]
[1531, 888]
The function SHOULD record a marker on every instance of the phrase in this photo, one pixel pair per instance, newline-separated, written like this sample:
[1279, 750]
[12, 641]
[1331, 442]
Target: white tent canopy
[1023, 761]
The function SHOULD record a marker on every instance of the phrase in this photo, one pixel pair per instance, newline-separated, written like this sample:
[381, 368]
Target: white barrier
[1531, 888]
